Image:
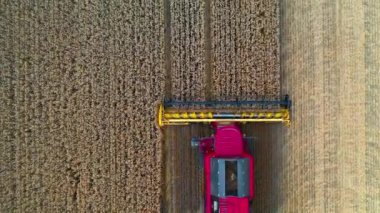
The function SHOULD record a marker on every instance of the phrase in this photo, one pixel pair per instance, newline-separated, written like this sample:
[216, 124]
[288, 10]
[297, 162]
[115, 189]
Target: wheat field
[80, 82]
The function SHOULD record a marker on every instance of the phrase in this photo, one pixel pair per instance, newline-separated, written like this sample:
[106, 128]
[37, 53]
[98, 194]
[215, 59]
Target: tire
[195, 142]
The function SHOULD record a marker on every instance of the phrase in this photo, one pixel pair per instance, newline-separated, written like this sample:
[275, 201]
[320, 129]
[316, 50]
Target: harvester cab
[228, 161]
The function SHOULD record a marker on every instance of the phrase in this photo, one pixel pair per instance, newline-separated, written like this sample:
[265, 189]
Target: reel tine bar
[182, 113]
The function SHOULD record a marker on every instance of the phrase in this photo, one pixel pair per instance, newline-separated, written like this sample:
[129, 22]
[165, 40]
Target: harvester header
[183, 113]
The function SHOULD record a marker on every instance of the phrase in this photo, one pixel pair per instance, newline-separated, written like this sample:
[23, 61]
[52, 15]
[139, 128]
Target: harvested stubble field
[79, 81]
[331, 68]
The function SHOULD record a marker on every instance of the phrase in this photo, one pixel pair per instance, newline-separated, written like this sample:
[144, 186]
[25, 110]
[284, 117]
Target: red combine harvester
[227, 155]
[228, 169]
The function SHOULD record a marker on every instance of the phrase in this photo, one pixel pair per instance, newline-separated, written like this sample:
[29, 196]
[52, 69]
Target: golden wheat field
[80, 82]
[79, 85]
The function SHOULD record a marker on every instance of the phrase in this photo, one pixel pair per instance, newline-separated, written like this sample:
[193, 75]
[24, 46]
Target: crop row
[245, 45]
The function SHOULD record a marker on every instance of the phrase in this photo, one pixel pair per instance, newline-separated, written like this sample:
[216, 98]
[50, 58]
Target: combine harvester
[227, 158]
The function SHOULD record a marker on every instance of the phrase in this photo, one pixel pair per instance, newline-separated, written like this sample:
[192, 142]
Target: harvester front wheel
[195, 142]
